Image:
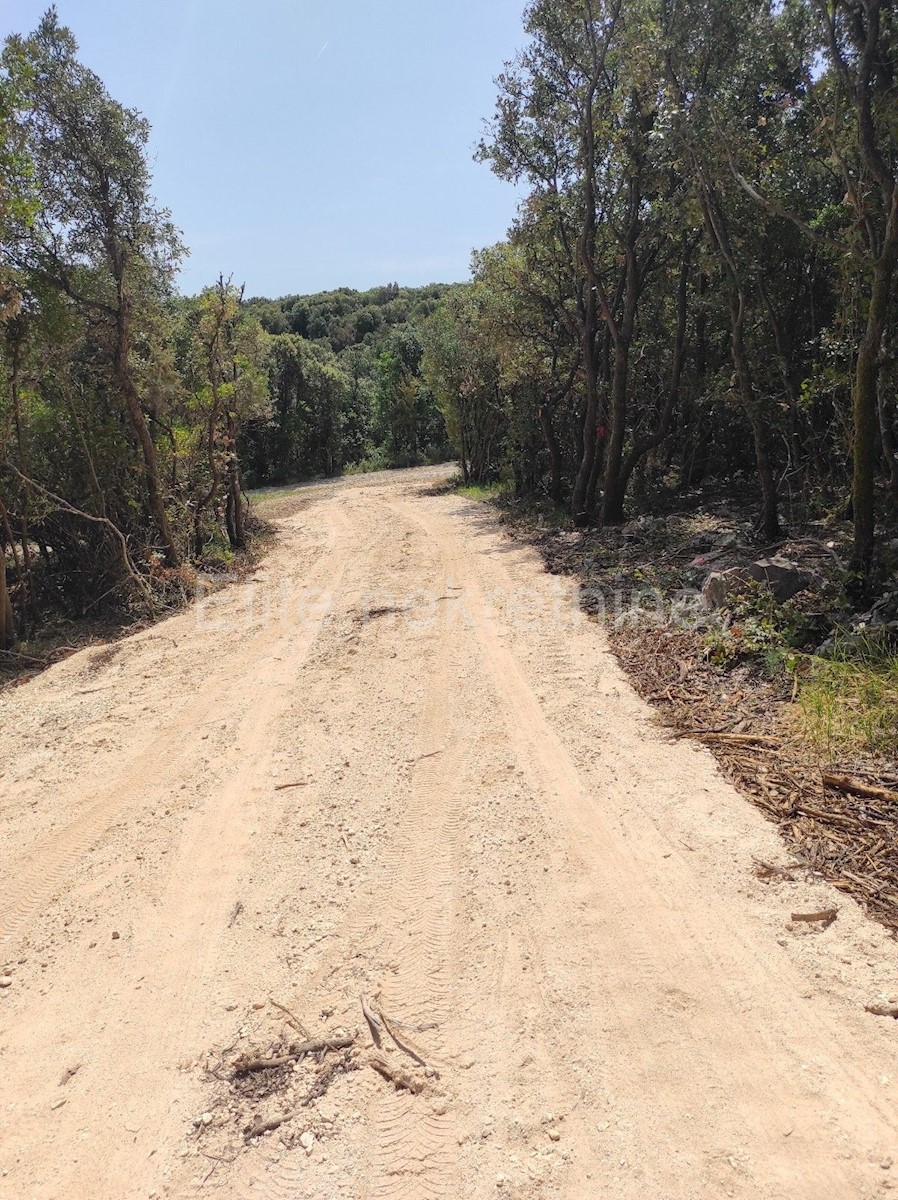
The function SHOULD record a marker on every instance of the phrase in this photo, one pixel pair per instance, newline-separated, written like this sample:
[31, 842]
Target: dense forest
[701, 280]
[700, 284]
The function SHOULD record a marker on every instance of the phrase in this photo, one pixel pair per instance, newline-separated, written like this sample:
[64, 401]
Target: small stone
[554, 1135]
[206, 1118]
[115, 935]
[259, 1004]
[307, 1141]
[5, 981]
[886, 1164]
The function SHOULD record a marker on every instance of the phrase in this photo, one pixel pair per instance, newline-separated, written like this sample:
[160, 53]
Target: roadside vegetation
[132, 418]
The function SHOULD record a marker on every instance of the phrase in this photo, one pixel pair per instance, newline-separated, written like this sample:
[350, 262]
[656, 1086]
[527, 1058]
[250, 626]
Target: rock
[639, 527]
[206, 1118]
[783, 579]
[554, 1135]
[115, 935]
[5, 981]
[307, 1140]
[719, 585]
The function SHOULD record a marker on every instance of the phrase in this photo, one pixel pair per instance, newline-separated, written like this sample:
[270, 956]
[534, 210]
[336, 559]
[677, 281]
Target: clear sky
[309, 144]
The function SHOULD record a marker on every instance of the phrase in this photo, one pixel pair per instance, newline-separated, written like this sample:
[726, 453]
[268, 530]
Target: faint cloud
[321, 51]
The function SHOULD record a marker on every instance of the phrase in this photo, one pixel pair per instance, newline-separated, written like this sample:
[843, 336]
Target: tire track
[31, 883]
[647, 951]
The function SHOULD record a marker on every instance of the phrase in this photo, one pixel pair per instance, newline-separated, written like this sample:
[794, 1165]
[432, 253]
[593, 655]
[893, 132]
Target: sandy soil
[492, 837]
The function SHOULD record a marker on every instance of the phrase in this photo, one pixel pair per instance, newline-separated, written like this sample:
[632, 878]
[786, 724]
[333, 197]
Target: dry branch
[245, 1065]
[766, 870]
[294, 1021]
[373, 1021]
[401, 1080]
[827, 916]
[735, 739]
[843, 783]
[407, 1047]
[260, 1126]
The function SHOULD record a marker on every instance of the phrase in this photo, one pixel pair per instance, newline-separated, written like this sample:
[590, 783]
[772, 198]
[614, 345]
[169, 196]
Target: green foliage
[758, 628]
[849, 700]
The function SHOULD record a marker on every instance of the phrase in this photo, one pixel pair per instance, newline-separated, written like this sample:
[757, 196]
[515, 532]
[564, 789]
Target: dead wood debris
[843, 783]
[69, 1073]
[258, 1078]
[377, 1020]
[293, 1020]
[733, 739]
[766, 871]
[843, 834]
[401, 1080]
[826, 917]
[244, 1065]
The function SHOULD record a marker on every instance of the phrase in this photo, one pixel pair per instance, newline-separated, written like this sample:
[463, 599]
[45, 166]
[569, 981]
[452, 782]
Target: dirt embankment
[397, 763]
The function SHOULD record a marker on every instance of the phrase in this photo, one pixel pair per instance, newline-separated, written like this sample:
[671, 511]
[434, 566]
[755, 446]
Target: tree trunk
[579, 499]
[545, 421]
[865, 400]
[28, 598]
[7, 620]
[716, 226]
[125, 380]
[644, 446]
[887, 430]
[613, 499]
[770, 525]
[236, 525]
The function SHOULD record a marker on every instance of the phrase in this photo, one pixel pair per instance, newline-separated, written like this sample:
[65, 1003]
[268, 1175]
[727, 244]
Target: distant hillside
[345, 384]
[349, 318]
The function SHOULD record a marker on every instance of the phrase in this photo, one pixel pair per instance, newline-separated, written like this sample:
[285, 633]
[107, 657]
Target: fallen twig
[765, 870]
[294, 1021]
[422, 757]
[244, 1065]
[283, 787]
[260, 1126]
[843, 783]
[827, 916]
[401, 1080]
[406, 1047]
[735, 739]
[373, 1021]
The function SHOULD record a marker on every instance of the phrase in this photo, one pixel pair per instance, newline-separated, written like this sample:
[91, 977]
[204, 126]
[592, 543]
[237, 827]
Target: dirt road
[492, 840]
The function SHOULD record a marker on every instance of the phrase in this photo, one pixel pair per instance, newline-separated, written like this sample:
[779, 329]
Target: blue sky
[310, 144]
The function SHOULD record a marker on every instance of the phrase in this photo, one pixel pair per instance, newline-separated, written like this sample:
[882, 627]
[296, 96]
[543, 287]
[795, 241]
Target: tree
[859, 39]
[461, 370]
[98, 237]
